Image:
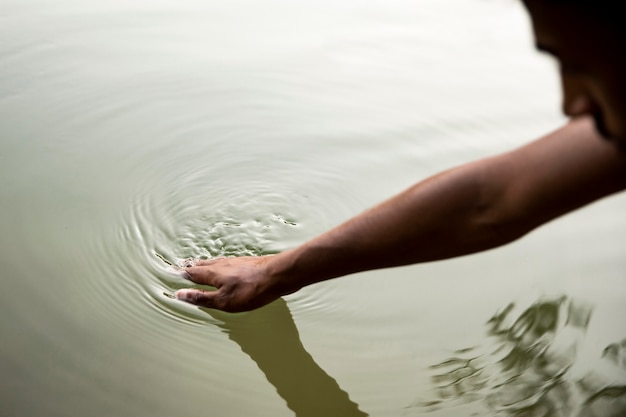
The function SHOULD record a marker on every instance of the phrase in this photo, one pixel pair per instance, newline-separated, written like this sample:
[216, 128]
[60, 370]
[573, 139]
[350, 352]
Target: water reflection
[528, 371]
[270, 337]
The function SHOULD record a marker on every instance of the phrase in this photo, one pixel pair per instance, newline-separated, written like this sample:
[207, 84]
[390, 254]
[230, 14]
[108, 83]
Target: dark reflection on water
[527, 372]
[270, 337]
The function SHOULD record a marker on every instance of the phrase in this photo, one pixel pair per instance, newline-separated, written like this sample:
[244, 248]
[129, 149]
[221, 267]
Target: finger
[204, 262]
[197, 297]
[202, 275]
[189, 262]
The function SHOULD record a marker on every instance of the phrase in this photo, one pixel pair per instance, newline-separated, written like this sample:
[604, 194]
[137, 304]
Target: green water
[133, 134]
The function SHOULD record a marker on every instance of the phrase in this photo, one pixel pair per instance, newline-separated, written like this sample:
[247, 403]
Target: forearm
[464, 210]
[451, 214]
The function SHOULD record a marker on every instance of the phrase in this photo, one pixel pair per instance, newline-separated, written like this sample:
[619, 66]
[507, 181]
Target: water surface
[136, 134]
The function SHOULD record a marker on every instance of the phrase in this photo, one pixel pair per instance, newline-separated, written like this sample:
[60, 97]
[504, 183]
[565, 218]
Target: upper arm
[551, 176]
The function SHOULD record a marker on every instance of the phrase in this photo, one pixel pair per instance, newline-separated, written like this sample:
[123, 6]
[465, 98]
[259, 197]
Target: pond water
[135, 134]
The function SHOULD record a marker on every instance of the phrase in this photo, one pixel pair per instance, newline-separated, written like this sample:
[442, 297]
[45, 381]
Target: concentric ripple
[206, 224]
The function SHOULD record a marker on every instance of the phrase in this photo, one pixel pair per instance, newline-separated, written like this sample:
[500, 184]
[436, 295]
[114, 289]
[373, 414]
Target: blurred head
[588, 38]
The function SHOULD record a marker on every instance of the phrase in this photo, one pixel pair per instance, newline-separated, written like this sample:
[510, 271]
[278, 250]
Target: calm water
[134, 134]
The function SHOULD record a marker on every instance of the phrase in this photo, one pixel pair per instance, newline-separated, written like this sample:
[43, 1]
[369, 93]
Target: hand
[241, 284]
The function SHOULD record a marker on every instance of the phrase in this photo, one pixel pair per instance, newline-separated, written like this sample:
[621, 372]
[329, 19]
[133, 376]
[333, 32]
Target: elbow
[499, 219]
[496, 227]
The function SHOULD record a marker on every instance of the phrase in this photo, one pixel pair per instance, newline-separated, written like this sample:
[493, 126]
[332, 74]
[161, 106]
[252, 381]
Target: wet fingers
[197, 297]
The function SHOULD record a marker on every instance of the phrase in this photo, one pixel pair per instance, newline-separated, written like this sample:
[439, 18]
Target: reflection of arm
[471, 208]
[270, 337]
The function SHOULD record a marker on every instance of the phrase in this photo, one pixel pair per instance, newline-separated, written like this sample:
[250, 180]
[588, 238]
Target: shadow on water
[528, 372]
[270, 337]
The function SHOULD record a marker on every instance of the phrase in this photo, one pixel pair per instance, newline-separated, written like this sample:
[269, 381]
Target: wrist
[292, 270]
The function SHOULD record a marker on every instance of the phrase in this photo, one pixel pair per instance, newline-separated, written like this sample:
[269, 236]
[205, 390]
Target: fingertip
[180, 272]
[194, 274]
[187, 273]
[185, 295]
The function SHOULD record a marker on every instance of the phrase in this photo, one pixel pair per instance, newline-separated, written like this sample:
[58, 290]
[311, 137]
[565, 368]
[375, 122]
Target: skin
[471, 208]
[592, 63]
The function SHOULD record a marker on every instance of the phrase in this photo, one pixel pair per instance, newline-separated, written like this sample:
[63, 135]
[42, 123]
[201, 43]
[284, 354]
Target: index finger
[202, 275]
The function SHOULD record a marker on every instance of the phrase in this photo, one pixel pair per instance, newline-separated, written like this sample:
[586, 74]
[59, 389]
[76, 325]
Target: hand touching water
[242, 284]
[467, 209]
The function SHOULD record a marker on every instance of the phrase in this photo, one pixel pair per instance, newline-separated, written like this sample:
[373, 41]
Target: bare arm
[471, 208]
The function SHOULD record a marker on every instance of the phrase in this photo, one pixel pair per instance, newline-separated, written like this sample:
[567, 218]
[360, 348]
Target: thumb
[197, 297]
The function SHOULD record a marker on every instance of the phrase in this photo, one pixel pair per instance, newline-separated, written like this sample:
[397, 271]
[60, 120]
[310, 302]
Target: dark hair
[606, 11]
